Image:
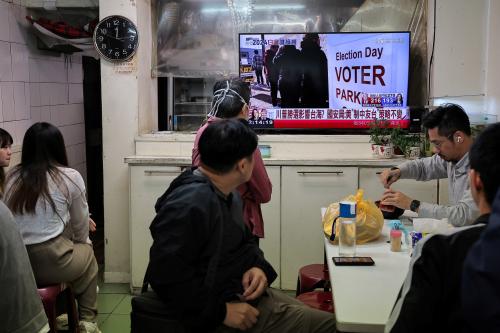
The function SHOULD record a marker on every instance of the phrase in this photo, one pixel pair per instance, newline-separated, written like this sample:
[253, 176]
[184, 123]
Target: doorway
[93, 145]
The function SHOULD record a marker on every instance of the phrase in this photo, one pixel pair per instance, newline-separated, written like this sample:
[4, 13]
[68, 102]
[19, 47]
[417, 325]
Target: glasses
[438, 144]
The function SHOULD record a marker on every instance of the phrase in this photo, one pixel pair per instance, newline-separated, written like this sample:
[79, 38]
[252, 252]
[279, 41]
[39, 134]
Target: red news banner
[338, 118]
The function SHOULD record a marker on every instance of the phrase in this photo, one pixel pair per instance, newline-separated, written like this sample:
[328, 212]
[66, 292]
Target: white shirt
[71, 210]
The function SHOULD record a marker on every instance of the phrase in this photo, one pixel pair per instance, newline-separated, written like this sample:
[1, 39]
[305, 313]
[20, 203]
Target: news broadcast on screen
[326, 80]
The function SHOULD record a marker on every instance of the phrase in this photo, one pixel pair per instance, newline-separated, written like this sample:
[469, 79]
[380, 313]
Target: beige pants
[60, 260]
[279, 312]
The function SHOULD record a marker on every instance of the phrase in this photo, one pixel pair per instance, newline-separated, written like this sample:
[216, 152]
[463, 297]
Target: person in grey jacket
[449, 131]
[20, 305]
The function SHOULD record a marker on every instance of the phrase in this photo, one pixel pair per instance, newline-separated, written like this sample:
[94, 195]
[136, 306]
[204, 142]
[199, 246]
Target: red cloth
[62, 29]
[254, 192]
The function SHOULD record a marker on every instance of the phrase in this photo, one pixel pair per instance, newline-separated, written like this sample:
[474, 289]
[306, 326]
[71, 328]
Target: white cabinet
[147, 183]
[305, 190]
[423, 191]
[270, 244]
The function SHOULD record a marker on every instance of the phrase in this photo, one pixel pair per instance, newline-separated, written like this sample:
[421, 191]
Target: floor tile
[114, 288]
[101, 317]
[116, 323]
[124, 307]
[106, 303]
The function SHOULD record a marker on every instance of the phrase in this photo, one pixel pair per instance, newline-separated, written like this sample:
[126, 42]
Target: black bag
[150, 315]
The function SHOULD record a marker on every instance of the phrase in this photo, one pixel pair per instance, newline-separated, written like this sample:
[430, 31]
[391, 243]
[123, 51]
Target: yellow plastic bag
[369, 219]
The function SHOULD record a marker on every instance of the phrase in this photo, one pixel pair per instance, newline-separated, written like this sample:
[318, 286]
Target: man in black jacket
[430, 298]
[204, 263]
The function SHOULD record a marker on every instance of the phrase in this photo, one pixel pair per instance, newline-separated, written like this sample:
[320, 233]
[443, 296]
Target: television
[318, 81]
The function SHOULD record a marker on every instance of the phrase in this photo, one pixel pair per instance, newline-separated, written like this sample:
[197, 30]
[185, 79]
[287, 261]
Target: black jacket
[430, 298]
[193, 219]
[481, 278]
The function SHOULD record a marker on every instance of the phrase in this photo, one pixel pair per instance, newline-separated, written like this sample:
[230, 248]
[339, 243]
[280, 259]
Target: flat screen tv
[326, 80]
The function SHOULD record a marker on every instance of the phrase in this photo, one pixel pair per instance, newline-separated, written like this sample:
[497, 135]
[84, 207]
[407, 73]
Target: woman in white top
[50, 208]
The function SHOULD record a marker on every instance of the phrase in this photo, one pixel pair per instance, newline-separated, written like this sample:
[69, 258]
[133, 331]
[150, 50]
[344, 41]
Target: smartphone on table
[353, 261]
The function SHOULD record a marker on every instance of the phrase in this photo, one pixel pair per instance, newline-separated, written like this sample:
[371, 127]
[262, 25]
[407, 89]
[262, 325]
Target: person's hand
[388, 177]
[92, 225]
[240, 315]
[254, 283]
[396, 198]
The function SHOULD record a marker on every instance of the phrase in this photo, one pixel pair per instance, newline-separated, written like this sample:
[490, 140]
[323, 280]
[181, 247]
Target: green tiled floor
[113, 303]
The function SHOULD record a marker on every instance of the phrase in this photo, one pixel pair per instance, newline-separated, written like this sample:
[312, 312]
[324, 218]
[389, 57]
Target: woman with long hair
[50, 208]
[5, 153]
[231, 100]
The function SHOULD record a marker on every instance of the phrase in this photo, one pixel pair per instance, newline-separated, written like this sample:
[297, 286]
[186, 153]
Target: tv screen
[326, 80]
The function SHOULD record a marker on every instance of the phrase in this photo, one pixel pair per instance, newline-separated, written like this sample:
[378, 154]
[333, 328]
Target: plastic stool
[321, 300]
[311, 277]
[49, 295]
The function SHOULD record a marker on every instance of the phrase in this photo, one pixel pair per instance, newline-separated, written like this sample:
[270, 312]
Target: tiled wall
[38, 86]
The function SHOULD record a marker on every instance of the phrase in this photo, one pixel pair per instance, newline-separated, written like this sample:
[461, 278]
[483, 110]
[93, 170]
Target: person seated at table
[430, 298]
[50, 208]
[481, 275]
[449, 131]
[204, 262]
[232, 100]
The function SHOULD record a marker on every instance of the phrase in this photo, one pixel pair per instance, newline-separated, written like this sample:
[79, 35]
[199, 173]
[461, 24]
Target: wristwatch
[415, 204]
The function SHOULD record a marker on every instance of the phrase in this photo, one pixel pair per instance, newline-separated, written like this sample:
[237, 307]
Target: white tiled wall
[38, 86]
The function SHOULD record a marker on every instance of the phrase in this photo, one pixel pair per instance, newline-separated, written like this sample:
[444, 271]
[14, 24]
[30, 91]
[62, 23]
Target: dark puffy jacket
[194, 219]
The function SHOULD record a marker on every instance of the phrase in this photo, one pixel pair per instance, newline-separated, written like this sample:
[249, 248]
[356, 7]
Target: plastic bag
[369, 219]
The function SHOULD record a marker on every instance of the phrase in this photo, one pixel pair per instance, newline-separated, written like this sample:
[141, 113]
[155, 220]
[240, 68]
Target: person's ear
[459, 137]
[475, 180]
[245, 111]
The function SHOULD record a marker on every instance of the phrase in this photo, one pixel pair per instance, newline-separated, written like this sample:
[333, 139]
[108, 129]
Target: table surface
[365, 295]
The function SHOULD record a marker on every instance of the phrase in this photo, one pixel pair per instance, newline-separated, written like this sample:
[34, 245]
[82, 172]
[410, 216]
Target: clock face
[116, 38]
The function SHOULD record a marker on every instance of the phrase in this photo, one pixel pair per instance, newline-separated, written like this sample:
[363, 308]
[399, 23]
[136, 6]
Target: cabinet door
[270, 244]
[304, 191]
[147, 183]
[369, 181]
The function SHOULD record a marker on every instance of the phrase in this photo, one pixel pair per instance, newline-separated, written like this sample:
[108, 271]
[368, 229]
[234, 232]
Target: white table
[364, 295]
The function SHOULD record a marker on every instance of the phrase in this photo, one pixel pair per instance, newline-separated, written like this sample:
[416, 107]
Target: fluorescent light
[211, 10]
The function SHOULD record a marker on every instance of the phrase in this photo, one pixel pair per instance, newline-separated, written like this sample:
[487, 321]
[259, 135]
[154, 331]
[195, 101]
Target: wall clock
[116, 38]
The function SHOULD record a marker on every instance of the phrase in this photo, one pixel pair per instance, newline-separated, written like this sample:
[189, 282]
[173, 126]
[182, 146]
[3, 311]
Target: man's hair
[448, 118]
[225, 142]
[484, 157]
[229, 98]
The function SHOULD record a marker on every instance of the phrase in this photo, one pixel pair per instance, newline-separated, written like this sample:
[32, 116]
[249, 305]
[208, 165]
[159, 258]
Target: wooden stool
[321, 300]
[49, 295]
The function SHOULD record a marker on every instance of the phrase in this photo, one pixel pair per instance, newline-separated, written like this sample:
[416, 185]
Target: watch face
[116, 38]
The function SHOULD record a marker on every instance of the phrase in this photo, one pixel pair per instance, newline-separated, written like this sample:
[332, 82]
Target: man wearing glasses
[449, 131]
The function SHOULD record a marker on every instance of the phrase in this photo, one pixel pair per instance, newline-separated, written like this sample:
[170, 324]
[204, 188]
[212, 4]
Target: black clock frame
[107, 37]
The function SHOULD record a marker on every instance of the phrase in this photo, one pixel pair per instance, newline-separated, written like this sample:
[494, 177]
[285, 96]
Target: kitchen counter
[170, 160]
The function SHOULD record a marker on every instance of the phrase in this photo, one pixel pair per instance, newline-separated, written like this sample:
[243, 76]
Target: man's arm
[481, 279]
[423, 169]
[417, 307]
[463, 213]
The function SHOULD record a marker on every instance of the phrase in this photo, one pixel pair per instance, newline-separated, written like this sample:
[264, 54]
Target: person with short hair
[5, 154]
[231, 101]
[204, 263]
[430, 299]
[49, 205]
[449, 131]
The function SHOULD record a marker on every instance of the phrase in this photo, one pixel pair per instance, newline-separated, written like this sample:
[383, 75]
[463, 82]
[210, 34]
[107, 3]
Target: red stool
[49, 295]
[312, 277]
[321, 300]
